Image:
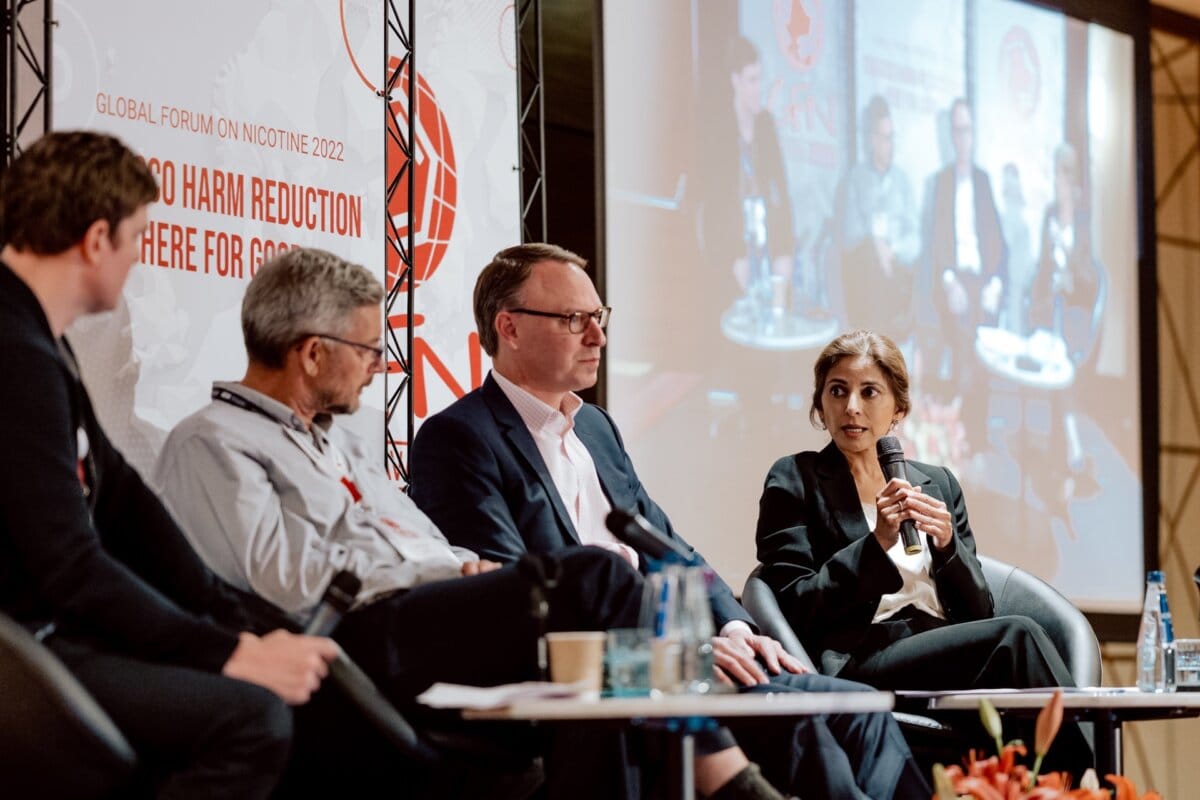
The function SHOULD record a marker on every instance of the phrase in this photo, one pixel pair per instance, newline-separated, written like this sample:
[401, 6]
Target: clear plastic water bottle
[1165, 680]
[1147, 641]
[662, 589]
[696, 631]
[681, 651]
[1156, 639]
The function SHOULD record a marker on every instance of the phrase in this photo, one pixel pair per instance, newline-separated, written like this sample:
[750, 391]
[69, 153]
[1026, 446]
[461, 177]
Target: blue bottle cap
[1154, 576]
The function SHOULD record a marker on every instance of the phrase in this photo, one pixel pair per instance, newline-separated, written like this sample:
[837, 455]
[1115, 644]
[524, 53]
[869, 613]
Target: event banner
[264, 125]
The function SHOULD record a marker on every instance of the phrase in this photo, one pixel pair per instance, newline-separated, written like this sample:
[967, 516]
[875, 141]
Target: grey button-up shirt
[277, 508]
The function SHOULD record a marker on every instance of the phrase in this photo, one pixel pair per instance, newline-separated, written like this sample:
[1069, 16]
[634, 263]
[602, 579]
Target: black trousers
[197, 734]
[923, 652]
[482, 631]
[832, 756]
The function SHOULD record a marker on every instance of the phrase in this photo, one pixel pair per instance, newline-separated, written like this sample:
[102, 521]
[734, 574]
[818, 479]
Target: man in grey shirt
[278, 502]
[277, 498]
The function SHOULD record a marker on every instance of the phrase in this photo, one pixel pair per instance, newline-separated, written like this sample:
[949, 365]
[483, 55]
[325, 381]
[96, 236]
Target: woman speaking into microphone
[829, 538]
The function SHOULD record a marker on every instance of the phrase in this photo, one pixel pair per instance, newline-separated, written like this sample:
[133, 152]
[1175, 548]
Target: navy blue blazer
[826, 568]
[477, 473]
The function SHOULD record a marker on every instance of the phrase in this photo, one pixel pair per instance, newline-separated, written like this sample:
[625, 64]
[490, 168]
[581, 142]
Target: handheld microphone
[336, 601]
[891, 461]
[349, 677]
[635, 531]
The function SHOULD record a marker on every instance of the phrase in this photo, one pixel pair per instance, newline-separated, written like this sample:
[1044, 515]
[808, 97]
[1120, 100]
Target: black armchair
[1014, 591]
[55, 741]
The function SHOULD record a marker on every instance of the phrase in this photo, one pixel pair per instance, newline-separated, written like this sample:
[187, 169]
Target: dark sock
[749, 784]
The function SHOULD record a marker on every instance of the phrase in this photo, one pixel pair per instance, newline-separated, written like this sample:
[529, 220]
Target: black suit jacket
[829, 572]
[477, 473]
[101, 558]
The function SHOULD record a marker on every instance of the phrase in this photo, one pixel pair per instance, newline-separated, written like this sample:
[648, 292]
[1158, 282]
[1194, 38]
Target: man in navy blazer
[517, 508]
[522, 464]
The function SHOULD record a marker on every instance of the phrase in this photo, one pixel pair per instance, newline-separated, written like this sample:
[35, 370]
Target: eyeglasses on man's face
[576, 320]
[375, 351]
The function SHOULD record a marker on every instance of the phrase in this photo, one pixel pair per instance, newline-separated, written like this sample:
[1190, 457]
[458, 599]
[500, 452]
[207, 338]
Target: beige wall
[1165, 755]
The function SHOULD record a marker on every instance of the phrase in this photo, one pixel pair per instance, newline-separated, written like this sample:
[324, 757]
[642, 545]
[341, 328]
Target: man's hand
[478, 567]
[289, 664]
[735, 658]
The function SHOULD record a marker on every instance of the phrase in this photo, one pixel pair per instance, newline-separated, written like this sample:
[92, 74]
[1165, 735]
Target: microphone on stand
[635, 531]
[891, 461]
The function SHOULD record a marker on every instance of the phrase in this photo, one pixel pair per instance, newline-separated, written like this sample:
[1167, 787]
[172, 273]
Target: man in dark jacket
[90, 561]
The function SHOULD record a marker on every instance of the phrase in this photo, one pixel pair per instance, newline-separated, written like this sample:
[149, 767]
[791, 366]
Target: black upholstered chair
[55, 741]
[1014, 591]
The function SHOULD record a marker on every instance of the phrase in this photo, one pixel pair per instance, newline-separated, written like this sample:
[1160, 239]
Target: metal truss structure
[531, 151]
[404, 270]
[400, 123]
[25, 63]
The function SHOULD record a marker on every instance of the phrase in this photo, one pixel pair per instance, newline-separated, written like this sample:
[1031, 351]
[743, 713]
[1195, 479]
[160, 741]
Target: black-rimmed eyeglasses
[576, 321]
[376, 351]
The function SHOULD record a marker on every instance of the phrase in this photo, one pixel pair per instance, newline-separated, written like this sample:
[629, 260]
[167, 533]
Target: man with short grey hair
[267, 448]
[309, 290]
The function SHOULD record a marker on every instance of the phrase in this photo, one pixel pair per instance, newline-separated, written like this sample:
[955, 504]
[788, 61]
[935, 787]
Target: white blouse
[918, 589]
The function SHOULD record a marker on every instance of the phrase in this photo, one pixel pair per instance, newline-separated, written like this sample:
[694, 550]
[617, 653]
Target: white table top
[1039, 360]
[1114, 697]
[791, 331]
[721, 705]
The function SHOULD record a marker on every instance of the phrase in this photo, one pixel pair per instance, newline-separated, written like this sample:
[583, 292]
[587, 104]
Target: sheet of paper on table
[454, 695]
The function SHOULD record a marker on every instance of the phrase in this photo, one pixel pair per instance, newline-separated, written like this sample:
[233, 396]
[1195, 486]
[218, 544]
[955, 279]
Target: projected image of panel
[958, 176]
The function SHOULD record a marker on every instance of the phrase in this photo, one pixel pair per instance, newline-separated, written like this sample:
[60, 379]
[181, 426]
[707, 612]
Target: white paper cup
[577, 657]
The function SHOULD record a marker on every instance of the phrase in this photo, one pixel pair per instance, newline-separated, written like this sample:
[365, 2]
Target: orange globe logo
[434, 176]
